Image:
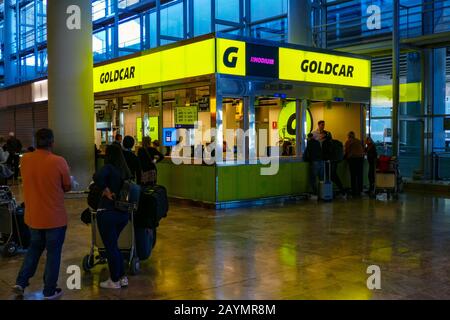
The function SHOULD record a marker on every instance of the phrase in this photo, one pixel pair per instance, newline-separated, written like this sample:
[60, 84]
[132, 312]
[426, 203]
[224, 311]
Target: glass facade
[122, 27]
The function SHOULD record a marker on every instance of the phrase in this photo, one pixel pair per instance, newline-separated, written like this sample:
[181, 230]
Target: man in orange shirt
[46, 178]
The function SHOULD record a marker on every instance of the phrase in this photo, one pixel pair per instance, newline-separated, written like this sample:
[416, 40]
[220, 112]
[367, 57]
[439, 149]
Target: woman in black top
[110, 221]
[132, 160]
[148, 156]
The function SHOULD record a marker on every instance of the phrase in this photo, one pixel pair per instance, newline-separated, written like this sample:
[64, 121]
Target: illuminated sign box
[186, 61]
[307, 66]
[233, 57]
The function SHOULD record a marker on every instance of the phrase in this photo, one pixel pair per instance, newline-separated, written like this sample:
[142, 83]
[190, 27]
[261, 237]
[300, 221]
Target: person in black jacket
[111, 221]
[132, 160]
[14, 147]
[313, 155]
[329, 153]
[148, 156]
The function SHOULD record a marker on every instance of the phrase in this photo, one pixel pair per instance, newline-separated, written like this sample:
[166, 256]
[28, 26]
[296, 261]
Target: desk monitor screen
[169, 137]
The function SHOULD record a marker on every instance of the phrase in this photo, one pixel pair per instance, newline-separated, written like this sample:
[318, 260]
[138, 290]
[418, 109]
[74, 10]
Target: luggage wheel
[10, 249]
[135, 266]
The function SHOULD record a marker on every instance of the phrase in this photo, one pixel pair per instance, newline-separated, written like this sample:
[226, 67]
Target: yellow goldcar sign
[307, 66]
[231, 56]
[409, 92]
[187, 61]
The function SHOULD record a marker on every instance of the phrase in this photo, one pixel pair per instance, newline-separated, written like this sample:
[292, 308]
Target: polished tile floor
[302, 250]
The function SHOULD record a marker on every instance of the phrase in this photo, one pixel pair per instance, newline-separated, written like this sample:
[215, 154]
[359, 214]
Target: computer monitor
[169, 137]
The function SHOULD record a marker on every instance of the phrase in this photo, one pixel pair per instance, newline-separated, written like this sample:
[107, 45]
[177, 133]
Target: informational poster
[139, 130]
[153, 128]
[185, 117]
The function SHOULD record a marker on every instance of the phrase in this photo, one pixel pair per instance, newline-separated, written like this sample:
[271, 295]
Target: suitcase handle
[325, 171]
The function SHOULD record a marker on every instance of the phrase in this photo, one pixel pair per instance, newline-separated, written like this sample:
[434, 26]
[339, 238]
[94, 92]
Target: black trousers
[334, 176]
[372, 168]
[356, 175]
[13, 163]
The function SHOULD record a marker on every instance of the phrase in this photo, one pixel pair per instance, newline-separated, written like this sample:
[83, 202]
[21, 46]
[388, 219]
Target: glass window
[42, 63]
[274, 30]
[98, 9]
[172, 21]
[122, 4]
[227, 10]
[130, 34]
[202, 17]
[27, 26]
[99, 45]
[153, 34]
[268, 8]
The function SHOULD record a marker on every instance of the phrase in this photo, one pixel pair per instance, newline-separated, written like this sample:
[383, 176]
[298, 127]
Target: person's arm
[346, 149]
[159, 155]
[65, 175]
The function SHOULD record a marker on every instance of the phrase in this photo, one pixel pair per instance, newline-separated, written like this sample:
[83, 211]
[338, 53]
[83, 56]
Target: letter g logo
[226, 57]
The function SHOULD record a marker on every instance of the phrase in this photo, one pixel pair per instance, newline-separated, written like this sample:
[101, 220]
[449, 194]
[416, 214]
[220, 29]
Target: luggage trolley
[12, 227]
[387, 177]
[127, 242]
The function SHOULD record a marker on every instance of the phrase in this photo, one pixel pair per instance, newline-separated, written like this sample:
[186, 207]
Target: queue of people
[121, 164]
[321, 148]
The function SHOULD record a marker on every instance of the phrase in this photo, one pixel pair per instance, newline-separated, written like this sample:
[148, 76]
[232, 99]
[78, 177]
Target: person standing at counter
[132, 160]
[320, 133]
[372, 155]
[118, 140]
[313, 155]
[148, 157]
[332, 150]
[354, 154]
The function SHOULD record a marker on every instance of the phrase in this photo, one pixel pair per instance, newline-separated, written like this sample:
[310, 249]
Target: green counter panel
[245, 182]
[242, 182]
[195, 182]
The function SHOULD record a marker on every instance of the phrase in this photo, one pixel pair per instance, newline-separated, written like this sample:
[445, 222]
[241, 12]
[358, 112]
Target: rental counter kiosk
[257, 100]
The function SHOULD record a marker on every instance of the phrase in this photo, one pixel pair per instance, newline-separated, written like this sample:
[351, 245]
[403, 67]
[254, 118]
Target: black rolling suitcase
[153, 206]
[145, 241]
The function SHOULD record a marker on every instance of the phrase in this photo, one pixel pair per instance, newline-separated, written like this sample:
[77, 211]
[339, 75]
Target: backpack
[94, 196]
[328, 150]
[338, 150]
[153, 206]
[128, 196]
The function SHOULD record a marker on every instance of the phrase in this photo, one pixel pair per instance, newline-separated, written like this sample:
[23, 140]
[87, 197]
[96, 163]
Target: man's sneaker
[57, 295]
[124, 281]
[109, 284]
[18, 290]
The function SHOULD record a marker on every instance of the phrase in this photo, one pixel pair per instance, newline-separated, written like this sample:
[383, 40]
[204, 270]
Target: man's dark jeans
[315, 170]
[51, 240]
